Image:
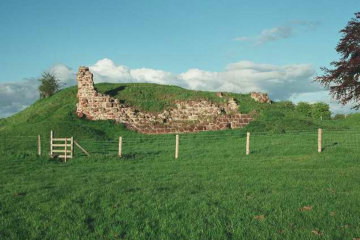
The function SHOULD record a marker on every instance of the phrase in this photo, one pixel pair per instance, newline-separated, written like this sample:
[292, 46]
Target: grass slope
[58, 112]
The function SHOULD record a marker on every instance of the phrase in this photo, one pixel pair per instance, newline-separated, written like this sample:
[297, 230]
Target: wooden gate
[61, 147]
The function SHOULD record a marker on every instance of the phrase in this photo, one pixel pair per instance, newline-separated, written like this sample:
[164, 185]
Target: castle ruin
[186, 116]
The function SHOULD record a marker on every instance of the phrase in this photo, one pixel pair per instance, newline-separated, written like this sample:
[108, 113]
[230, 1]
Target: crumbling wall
[260, 97]
[186, 116]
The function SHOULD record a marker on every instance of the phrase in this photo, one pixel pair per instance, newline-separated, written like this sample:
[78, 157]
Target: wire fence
[227, 144]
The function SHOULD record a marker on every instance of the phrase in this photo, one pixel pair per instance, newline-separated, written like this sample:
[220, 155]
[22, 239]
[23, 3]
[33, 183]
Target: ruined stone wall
[260, 97]
[186, 116]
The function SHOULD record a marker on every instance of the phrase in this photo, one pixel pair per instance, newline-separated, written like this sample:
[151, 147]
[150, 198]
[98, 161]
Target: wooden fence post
[319, 140]
[51, 142]
[248, 143]
[72, 146]
[120, 146]
[177, 146]
[65, 149]
[39, 145]
[5, 144]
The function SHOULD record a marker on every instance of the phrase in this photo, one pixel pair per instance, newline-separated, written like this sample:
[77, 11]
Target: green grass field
[284, 189]
[213, 191]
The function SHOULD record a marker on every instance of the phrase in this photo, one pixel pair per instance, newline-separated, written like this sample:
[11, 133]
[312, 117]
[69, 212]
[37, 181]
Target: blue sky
[171, 36]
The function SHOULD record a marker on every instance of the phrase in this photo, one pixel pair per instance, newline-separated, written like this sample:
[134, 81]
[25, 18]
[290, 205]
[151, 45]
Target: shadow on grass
[140, 155]
[330, 146]
[115, 91]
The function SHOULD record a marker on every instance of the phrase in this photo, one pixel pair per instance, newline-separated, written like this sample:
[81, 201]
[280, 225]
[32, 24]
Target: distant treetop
[49, 85]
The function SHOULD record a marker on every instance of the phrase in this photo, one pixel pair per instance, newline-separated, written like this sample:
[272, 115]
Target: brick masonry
[187, 116]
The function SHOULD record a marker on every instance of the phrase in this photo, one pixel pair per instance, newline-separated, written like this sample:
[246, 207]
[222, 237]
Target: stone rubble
[260, 97]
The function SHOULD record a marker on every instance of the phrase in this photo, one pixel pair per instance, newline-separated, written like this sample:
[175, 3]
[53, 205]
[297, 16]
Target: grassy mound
[58, 112]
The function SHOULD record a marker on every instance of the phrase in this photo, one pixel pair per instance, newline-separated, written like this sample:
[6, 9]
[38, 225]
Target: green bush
[339, 116]
[288, 105]
[320, 111]
[304, 109]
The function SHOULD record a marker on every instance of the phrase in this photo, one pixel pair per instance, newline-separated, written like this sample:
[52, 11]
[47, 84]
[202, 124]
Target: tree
[286, 105]
[49, 85]
[304, 109]
[344, 79]
[320, 111]
[339, 116]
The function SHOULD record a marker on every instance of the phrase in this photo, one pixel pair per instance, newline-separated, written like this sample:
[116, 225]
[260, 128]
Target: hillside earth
[58, 112]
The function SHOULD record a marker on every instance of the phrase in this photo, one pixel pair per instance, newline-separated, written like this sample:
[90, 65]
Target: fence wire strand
[194, 145]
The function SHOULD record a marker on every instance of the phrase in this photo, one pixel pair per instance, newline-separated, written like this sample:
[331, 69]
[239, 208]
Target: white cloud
[241, 77]
[64, 74]
[15, 97]
[293, 82]
[105, 70]
[279, 32]
[245, 76]
[273, 34]
[200, 80]
[151, 75]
